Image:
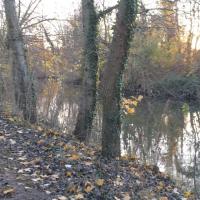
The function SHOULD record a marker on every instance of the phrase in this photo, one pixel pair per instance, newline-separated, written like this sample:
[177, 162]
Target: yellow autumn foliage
[130, 104]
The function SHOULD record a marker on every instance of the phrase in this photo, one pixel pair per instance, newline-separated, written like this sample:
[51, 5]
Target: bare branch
[107, 11]
[49, 40]
[30, 10]
[38, 22]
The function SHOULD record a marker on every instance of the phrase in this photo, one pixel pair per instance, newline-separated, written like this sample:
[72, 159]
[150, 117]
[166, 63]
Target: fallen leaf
[74, 157]
[25, 163]
[133, 157]
[99, 182]
[11, 119]
[23, 158]
[135, 103]
[68, 174]
[2, 138]
[118, 182]
[187, 194]
[62, 198]
[140, 97]
[12, 141]
[164, 198]
[79, 196]
[41, 142]
[131, 110]
[47, 192]
[175, 190]
[39, 128]
[72, 188]
[55, 176]
[9, 191]
[20, 131]
[126, 196]
[61, 144]
[88, 187]
[66, 147]
[36, 179]
[35, 161]
[88, 163]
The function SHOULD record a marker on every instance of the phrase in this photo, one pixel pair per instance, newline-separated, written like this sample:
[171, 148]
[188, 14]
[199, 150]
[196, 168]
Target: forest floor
[41, 164]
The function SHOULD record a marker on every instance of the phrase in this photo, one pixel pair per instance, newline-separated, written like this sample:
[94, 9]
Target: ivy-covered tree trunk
[88, 98]
[24, 90]
[112, 76]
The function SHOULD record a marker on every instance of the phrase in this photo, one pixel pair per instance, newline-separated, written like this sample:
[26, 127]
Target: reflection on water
[168, 135]
[163, 133]
[58, 106]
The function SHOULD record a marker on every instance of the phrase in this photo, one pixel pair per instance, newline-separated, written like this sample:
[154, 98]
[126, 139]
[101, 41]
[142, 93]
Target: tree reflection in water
[166, 134]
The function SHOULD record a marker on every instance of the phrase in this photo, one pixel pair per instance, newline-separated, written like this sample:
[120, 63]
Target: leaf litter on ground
[63, 168]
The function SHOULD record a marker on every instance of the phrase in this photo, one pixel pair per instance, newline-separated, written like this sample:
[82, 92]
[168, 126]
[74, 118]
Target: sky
[62, 9]
[59, 8]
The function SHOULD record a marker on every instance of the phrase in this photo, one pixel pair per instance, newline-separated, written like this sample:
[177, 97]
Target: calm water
[164, 133]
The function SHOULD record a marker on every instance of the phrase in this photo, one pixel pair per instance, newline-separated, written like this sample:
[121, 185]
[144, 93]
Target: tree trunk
[88, 99]
[24, 90]
[112, 75]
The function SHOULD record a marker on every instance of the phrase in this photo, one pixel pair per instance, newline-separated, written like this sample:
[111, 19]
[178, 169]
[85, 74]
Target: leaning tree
[112, 77]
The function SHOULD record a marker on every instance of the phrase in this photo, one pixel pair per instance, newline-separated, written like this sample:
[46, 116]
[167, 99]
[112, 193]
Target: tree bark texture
[25, 96]
[90, 66]
[112, 75]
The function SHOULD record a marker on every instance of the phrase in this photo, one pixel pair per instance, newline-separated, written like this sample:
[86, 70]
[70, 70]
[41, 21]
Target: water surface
[164, 133]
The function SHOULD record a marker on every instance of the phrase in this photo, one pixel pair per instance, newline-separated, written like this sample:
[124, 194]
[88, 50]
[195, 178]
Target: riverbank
[36, 163]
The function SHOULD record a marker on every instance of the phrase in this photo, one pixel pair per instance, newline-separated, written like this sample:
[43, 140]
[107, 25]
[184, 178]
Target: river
[164, 133]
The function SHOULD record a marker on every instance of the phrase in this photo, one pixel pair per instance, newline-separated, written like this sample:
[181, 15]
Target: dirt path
[20, 190]
[11, 186]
